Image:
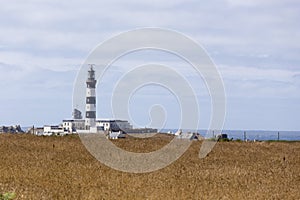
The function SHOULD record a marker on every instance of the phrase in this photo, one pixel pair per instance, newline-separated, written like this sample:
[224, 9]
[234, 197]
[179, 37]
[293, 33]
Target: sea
[258, 135]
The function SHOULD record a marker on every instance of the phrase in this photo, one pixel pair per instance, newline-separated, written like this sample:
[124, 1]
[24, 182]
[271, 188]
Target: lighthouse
[90, 108]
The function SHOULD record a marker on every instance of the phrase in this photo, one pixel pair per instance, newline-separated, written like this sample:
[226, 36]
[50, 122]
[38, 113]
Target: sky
[254, 44]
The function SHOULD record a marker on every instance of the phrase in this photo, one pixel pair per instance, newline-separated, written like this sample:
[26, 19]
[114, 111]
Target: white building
[71, 125]
[116, 135]
[36, 130]
[54, 130]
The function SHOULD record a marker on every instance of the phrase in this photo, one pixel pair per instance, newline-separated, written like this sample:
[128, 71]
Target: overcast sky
[255, 45]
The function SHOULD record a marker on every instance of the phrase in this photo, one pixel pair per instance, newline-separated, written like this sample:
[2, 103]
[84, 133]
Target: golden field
[61, 168]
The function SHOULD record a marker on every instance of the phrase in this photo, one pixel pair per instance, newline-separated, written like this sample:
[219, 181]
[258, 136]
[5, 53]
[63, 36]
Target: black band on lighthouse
[91, 100]
[90, 114]
[91, 84]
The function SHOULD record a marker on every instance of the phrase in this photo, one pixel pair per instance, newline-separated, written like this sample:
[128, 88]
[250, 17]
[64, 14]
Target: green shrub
[212, 139]
[224, 140]
[7, 196]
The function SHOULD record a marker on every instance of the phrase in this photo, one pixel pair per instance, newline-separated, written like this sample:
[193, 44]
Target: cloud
[75, 28]
[258, 3]
[255, 44]
[254, 73]
[266, 83]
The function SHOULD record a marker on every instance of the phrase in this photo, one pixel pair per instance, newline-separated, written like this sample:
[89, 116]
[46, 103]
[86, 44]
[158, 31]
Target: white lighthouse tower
[90, 108]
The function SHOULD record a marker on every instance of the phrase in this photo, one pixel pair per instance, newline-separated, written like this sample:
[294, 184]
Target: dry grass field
[61, 168]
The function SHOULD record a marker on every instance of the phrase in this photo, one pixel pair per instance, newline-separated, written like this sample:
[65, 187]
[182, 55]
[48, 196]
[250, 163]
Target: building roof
[97, 120]
[110, 120]
[73, 120]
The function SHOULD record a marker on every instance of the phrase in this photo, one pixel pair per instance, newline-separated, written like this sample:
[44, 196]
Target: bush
[7, 196]
[224, 140]
[212, 139]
